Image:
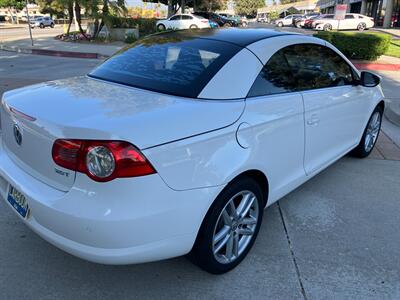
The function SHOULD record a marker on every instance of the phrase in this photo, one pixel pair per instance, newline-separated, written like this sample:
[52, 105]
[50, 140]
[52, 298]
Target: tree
[175, 5]
[288, 1]
[12, 5]
[51, 7]
[248, 7]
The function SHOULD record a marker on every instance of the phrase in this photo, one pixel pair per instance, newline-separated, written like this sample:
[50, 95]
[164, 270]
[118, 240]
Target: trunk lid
[85, 108]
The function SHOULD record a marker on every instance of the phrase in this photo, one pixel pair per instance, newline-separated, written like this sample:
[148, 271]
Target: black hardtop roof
[238, 36]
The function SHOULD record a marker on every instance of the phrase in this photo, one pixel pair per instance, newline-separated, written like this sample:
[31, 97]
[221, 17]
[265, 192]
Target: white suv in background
[183, 21]
[42, 22]
[351, 21]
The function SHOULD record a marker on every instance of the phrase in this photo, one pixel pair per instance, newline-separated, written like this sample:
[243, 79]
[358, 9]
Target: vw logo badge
[17, 134]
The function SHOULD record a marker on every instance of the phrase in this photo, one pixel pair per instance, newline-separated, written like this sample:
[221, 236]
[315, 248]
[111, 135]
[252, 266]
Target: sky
[140, 3]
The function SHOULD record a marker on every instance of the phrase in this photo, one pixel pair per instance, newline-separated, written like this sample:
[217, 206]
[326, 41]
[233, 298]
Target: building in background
[9, 14]
[283, 10]
[386, 13]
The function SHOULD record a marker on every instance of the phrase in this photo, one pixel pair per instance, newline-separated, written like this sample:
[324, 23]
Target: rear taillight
[204, 21]
[101, 160]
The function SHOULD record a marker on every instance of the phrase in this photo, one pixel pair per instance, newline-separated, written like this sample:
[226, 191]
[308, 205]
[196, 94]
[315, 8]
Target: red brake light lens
[101, 160]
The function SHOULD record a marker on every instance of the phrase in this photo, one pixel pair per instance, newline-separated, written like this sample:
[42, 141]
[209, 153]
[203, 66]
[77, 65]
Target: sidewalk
[53, 47]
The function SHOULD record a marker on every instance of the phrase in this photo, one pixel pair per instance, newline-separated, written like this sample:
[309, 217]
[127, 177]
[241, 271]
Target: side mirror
[369, 79]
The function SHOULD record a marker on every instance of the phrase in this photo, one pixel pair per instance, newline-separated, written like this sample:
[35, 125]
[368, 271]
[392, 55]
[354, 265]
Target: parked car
[262, 18]
[42, 22]
[351, 21]
[101, 166]
[183, 21]
[308, 23]
[299, 22]
[286, 21]
[220, 20]
[242, 21]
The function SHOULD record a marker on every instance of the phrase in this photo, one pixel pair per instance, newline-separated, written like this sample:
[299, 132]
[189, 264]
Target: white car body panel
[196, 146]
[184, 23]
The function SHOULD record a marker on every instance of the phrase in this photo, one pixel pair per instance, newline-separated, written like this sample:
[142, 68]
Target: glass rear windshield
[172, 64]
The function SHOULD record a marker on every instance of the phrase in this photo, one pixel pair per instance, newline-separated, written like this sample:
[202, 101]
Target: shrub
[366, 46]
[146, 26]
[130, 38]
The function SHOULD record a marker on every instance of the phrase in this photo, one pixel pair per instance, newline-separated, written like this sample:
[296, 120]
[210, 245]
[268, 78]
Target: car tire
[193, 26]
[226, 25]
[298, 25]
[370, 135]
[52, 25]
[161, 27]
[280, 24]
[327, 27]
[41, 26]
[218, 222]
[361, 27]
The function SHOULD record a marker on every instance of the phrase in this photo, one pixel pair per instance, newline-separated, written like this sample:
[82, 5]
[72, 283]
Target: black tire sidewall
[161, 27]
[202, 254]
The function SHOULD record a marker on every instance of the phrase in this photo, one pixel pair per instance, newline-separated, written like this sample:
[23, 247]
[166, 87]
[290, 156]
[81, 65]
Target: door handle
[314, 120]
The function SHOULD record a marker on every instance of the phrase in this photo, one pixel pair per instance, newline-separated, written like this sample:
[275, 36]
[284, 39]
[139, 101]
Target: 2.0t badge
[17, 134]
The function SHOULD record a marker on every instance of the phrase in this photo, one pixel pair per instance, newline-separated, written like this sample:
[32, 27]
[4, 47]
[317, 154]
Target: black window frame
[354, 74]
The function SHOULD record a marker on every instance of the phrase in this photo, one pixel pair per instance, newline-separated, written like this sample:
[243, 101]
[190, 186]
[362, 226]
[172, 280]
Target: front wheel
[230, 227]
[361, 27]
[280, 24]
[52, 25]
[327, 27]
[161, 27]
[41, 26]
[370, 135]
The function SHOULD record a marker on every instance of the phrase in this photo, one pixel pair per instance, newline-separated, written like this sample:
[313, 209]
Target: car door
[334, 105]
[275, 112]
[347, 23]
[186, 21]
[174, 22]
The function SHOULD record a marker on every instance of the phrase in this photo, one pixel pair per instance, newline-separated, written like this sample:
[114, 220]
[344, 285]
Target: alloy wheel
[372, 132]
[235, 227]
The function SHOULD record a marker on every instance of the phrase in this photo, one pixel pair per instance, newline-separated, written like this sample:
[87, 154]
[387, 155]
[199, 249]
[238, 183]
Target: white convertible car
[176, 145]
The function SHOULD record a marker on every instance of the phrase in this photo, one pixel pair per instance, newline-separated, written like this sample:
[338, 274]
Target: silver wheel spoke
[227, 218]
[248, 221]
[221, 234]
[221, 244]
[245, 231]
[236, 245]
[229, 248]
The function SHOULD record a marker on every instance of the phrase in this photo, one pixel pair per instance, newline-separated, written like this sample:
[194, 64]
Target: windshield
[172, 63]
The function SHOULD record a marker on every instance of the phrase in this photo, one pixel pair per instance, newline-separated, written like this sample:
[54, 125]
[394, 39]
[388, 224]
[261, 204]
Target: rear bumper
[124, 221]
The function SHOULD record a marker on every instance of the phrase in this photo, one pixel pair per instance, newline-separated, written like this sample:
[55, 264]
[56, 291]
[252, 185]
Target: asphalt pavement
[336, 237]
[7, 34]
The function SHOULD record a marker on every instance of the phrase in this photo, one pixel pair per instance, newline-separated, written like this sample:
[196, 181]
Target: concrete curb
[377, 66]
[57, 53]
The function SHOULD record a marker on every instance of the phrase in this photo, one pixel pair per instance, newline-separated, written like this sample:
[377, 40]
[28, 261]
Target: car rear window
[174, 63]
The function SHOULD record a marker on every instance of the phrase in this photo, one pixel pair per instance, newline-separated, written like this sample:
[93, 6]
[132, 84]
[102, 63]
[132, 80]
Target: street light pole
[29, 21]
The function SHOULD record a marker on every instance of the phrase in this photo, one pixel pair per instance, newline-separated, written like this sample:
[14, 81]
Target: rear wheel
[327, 27]
[280, 24]
[227, 25]
[161, 27]
[41, 25]
[193, 26]
[370, 135]
[230, 227]
[361, 27]
[52, 25]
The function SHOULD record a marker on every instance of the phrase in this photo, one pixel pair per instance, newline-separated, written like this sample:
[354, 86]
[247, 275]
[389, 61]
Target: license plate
[18, 201]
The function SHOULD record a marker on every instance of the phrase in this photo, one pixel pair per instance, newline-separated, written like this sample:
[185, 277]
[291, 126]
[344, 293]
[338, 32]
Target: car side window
[186, 17]
[175, 18]
[315, 66]
[276, 77]
[349, 17]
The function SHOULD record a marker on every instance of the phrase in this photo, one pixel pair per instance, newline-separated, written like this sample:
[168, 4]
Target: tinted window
[276, 77]
[169, 63]
[315, 66]
[174, 18]
[349, 17]
[185, 17]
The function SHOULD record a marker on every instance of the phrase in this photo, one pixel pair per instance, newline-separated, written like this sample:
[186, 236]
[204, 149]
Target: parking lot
[335, 237]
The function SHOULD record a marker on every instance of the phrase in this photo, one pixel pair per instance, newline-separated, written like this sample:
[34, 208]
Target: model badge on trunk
[17, 134]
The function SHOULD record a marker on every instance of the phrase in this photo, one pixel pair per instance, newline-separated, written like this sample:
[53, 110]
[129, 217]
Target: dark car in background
[220, 20]
[301, 21]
